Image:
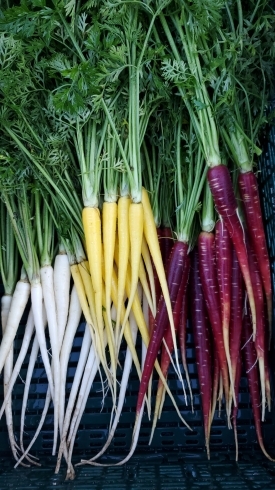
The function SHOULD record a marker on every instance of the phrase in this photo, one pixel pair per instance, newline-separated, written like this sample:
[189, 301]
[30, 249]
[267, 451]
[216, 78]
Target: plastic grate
[158, 472]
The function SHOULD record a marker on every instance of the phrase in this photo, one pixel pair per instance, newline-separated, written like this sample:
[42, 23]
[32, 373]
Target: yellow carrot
[149, 268]
[123, 255]
[92, 231]
[136, 234]
[109, 219]
[84, 270]
[150, 234]
[145, 285]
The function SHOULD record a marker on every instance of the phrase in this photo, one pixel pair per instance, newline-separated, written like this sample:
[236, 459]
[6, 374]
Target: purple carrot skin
[250, 195]
[207, 267]
[236, 315]
[182, 334]
[260, 312]
[224, 199]
[251, 368]
[223, 247]
[235, 409]
[161, 321]
[215, 385]
[202, 342]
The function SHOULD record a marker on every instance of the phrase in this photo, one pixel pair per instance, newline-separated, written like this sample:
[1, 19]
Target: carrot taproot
[236, 314]
[223, 248]
[252, 208]
[225, 202]
[123, 254]
[250, 362]
[202, 342]
[207, 267]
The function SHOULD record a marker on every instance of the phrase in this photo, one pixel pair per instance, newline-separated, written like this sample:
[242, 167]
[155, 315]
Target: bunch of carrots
[129, 134]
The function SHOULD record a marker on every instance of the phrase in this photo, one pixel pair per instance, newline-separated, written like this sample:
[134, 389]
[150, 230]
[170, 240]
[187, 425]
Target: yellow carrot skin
[92, 231]
[136, 219]
[123, 255]
[81, 294]
[109, 219]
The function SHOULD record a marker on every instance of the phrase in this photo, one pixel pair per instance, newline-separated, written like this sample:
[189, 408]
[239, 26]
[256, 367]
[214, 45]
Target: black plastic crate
[176, 458]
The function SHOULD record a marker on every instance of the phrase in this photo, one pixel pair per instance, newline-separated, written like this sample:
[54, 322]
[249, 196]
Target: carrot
[223, 250]
[109, 222]
[176, 302]
[92, 230]
[252, 209]
[250, 362]
[226, 205]
[61, 278]
[166, 245]
[236, 314]
[206, 249]
[202, 342]
[260, 311]
[176, 267]
[136, 219]
[151, 237]
[19, 301]
[235, 408]
[215, 384]
[123, 257]
[182, 335]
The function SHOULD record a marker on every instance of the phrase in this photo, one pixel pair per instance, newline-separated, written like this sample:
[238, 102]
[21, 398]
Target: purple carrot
[260, 312]
[202, 342]
[167, 243]
[250, 195]
[169, 345]
[223, 247]
[175, 270]
[216, 378]
[182, 337]
[250, 362]
[207, 266]
[226, 205]
[236, 408]
[236, 316]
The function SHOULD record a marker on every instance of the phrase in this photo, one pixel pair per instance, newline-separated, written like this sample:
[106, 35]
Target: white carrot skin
[19, 301]
[84, 352]
[5, 308]
[92, 374]
[36, 298]
[20, 359]
[84, 383]
[61, 277]
[73, 322]
[123, 387]
[47, 283]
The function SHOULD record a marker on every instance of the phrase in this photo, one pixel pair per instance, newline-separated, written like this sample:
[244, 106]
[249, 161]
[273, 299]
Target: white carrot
[84, 352]
[62, 275]
[123, 387]
[73, 322]
[46, 273]
[5, 308]
[20, 359]
[93, 371]
[36, 298]
[31, 364]
[18, 304]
